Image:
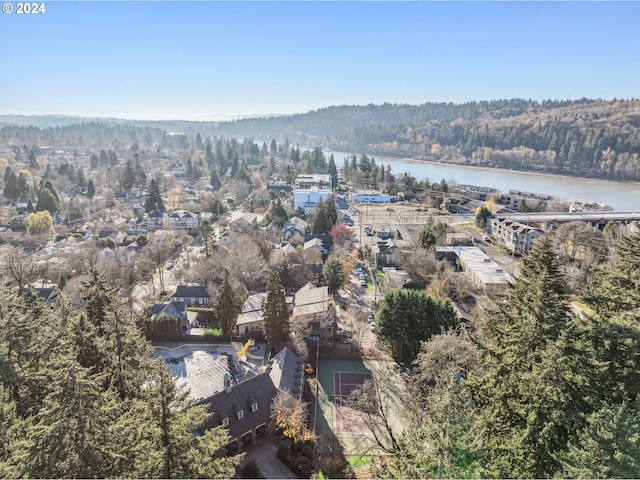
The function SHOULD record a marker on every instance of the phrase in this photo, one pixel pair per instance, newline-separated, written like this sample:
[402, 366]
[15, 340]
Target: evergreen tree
[33, 163]
[275, 313]
[427, 239]
[332, 212]
[277, 214]
[154, 199]
[333, 171]
[11, 189]
[607, 447]
[123, 351]
[614, 295]
[24, 178]
[215, 180]
[228, 306]
[186, 449]
[91, 190]
[48, 185]
[82, 178]
[333, 274]
[139, 176]
[204, 232]
[66, 439]
[320, 221]
[47, 201]
[273, 150]
[540, 372]
[407, 317]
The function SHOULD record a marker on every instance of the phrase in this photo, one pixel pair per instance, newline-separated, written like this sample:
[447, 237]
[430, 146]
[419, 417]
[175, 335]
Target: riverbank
[621, 196]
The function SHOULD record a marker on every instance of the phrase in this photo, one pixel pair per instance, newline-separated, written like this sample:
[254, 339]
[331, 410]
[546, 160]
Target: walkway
[264, 453]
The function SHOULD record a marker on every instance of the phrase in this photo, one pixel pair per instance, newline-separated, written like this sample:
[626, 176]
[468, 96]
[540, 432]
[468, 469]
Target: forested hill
[593, 138]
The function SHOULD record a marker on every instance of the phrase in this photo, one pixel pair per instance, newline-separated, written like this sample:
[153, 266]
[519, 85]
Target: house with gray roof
[192, 295]
[244, 408]
[177, 310]
[294, 226]
[155, 220]
[251, 322]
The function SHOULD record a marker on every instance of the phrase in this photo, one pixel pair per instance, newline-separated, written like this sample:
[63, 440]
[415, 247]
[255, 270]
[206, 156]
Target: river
[622, 197]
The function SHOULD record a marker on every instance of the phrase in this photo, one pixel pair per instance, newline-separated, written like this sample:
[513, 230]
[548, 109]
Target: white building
[481, 269]
[183, 220]
[309, 189]
[517, 237]
[307, 200]
[369, 196]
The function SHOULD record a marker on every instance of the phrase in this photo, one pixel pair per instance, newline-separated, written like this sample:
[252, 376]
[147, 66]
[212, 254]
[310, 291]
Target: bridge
[597, 219]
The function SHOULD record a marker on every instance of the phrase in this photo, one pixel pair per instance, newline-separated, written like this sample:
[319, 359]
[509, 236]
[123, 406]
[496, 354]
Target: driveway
[264, 452]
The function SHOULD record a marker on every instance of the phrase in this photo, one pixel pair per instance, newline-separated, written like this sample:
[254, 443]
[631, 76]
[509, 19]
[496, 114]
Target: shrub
[213, 332]
[251, 470]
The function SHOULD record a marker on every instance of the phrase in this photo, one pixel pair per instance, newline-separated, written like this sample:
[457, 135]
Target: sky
[206, 59]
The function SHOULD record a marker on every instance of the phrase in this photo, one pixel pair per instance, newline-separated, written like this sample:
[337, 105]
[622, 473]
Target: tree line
[533, 391]
[81, 397]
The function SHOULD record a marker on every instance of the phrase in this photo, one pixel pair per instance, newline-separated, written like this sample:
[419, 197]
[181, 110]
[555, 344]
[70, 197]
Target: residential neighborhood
[192, 257]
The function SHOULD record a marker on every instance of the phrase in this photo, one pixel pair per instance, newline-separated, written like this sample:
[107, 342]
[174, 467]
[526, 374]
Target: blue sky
[195, 60]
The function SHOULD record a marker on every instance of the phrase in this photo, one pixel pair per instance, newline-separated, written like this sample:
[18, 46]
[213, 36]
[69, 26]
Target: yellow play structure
[249, 343]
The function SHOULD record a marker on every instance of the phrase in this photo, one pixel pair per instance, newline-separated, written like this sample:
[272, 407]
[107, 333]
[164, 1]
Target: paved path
[264, 452]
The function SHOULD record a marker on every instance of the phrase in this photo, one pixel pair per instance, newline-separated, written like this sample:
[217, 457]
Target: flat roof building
[482, 270]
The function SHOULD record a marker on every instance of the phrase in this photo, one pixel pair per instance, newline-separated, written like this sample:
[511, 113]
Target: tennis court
[344, 383]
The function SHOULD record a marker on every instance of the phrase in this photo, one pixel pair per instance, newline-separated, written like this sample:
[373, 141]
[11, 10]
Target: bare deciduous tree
[18, 265]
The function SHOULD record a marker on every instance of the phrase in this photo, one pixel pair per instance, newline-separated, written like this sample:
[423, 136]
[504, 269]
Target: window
[240, 414]
[225, 421]
[254, 406]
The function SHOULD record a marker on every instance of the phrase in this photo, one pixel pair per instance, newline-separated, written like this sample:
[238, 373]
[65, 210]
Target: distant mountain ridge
[585, 137]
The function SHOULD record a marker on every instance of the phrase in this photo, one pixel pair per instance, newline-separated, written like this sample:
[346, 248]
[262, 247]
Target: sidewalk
[264, 452]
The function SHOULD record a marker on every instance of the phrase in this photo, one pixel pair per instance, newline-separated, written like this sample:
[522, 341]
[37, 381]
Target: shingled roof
[285, 372]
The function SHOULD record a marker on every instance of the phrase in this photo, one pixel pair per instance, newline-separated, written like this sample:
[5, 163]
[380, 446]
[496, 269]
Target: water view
[622, 197]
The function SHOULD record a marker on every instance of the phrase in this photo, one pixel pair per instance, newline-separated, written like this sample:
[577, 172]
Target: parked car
[344, 332]
[371, 318]
[363, 283]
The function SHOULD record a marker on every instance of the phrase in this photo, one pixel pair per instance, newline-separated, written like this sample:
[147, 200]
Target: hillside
[590, 138]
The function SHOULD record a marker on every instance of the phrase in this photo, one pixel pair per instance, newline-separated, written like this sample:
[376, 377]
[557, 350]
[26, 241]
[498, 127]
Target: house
[48, 294]
[175, 169]
[294, 226]
[224, 237]
[244, 221]
[313, 310]
[155, 220]
[313, 245]
[192, 295]
[106, 253]
[385, 253]
[244, 408]
[183, 220]
[23, 202]
[138, 210]
[288, 248]
[279, 188]
[115, 235]
[250, 322]
[176, 310]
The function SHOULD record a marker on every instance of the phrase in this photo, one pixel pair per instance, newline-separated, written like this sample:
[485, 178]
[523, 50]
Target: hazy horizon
[157, 60]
